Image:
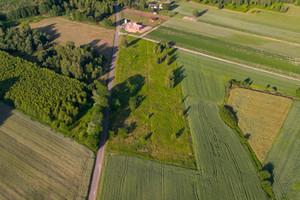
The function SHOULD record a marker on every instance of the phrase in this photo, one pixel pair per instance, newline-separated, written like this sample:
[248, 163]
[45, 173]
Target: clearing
[157, 128]
[62, 30]
[39, 163]
[283, 160]
[260, 117]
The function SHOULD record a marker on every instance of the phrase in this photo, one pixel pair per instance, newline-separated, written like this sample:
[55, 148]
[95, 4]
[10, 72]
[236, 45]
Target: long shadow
[133, 42]
[270, 168]
[5, 85]
[50, 30]
[202, 12]
[122, 93]
[179, 75]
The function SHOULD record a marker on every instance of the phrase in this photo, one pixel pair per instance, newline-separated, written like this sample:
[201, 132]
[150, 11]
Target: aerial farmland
[149, 100]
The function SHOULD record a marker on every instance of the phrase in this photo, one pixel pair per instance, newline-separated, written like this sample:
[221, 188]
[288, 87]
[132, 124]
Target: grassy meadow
[228, 44]
[260, 117]
[39, 163]
[284, 26]
[157, 128]
[283, 160]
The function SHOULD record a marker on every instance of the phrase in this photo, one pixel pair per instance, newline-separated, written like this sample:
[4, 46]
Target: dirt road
[221, 59]
[101, 151]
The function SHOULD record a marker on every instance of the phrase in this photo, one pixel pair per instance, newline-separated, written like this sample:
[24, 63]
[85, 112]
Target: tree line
[245, 5]
[79, 10]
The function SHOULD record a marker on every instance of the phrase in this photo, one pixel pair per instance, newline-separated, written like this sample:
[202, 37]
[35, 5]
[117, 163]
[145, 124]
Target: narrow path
[101, 149]
[220, 59]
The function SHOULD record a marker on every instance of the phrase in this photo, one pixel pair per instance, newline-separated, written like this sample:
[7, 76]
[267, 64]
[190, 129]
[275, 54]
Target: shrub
[298, 93]
[229, 117]
[122, 132]
[170, 80]
[124, 43]
[196, 13]
[264, 175]
[108, 23]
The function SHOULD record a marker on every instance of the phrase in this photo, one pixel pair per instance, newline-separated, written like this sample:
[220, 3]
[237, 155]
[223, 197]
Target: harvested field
[62, 30]
[260, 117]
[283, 160]
[190, 18]
[39, 163]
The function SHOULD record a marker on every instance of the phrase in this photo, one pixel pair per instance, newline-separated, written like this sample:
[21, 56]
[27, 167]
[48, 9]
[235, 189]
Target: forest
[79, 10]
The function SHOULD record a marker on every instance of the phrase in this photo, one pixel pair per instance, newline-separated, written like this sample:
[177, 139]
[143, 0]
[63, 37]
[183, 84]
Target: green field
[283, 159]
[157, 128]
[235, 46]
[283, 26]
[39, 163]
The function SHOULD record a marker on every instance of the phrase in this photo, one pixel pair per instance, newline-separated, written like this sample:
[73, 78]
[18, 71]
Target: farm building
[152, 5]
[152, 19]
[133, 27]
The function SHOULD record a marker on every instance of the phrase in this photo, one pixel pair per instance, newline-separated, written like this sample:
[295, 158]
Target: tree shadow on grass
[179, 75]
[179, 133]
[133, 42]
[202, 12]
[270, 168]
[122, 92]
[50, 30]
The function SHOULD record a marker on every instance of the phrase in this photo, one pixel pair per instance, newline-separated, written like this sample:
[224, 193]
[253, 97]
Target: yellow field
[260, 117]
[63, 30]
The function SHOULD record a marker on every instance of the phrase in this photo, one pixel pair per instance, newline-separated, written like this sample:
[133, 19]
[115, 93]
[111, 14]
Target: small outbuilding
[152, 19]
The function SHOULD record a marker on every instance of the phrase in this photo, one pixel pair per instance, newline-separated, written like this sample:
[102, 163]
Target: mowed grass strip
[39, 163]
[234, 51]
[157, 128]
[283, 160]
[284, 26]
[63, 30]
[260, 117]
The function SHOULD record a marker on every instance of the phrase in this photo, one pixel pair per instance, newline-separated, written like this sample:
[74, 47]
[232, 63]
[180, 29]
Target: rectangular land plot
[39, 163]
[260, 117]
[284, 26]
[234, 46]
[63, 30]
[283, 160]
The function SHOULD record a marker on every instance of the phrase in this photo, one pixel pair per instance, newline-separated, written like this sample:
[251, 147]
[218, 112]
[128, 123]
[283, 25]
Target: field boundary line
[219, 59]
[252, 34]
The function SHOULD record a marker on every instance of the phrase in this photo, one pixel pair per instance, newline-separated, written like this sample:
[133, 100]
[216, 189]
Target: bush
[122, 132]
[229, 117]
[108, 23]
[264, 175]
[220, 6]
[124, 42]
[196, 13]
[266, 185]
[170, 80]
[298, 93]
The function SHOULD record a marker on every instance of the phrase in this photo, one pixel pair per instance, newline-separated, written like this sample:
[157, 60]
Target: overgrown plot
[283, 160]
[39, 163]
[147, 118]
[260, 117]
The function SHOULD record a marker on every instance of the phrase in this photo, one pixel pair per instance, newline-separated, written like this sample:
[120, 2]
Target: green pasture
[284, 26]
[157, 128]
[258, 54]
[283, 160]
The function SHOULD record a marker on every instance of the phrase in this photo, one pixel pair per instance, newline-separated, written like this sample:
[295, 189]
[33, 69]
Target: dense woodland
[23, 39]
[83, 63]
[79, 10]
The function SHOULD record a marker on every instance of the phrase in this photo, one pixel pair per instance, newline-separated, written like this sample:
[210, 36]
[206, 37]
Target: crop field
[283, 160]
[157, 128]
[284, 26]
[260, 117]
[63, 30]
[236, 46]
[39, 163]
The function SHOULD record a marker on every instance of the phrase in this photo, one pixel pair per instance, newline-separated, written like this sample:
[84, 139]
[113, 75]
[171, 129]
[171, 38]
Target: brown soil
[63, 30]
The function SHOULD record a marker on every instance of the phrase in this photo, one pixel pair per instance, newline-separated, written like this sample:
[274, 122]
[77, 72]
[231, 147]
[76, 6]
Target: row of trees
[23, 39]
[244, 5]
[83, 63]
[79, 10]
